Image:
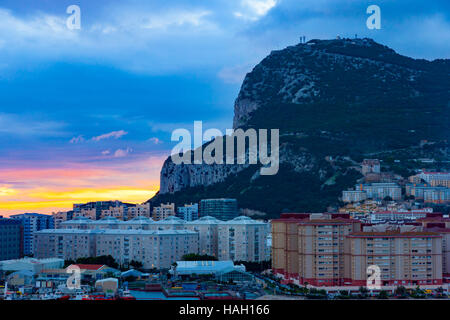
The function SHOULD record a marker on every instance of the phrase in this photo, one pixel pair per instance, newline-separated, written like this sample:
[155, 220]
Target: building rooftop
[205, 220]
[395, 234]
[108, 220]
[93, 267]
[78, 220]
[171, 220]
[242, 220]
[139, 220]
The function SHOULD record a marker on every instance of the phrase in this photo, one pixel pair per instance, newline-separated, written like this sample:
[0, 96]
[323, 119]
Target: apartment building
[379, 191]
[207, 228]
[334, 251]
[309, 249]
[382, 216]
[222, 209]
[65, 243]
[404, 258]
[139, 222]
[188, 212]
[139, 210]
[440, 225]
[163, 211]
[100, 209]
[61, 216]
[11, 239]
[154, 248]
[242, 239]
[436, 178]
[31, 223]
[353, 195]
[428, 193]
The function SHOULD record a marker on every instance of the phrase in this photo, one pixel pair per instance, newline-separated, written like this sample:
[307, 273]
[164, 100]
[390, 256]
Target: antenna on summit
[302, 39]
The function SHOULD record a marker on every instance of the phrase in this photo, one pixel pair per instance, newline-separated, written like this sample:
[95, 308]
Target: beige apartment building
[139, 210]
[163, 211]
[332, 251]
[242, 239]
[118, 212]
[407, 258]
[310, 249]
[61, 216]
[87, 213]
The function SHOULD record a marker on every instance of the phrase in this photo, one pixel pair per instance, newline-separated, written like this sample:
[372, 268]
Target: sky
[87, 114]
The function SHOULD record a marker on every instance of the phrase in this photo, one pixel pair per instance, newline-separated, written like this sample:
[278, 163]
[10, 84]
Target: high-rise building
[242, 239]
[188, 212]
[222, 209]
[403, 258]
[31, 223]
[11, 239]
[334, 251]
[207, 228]
[311, 249]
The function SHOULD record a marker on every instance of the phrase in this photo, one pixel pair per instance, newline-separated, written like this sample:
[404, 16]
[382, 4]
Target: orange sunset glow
[45, 190]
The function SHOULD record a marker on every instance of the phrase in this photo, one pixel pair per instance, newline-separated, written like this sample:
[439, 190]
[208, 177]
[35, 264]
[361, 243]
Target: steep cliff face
[334, 102]
[178, 177]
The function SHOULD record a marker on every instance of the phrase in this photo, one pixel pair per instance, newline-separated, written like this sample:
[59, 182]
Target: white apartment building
[153, 248]
[65, 243]
[207, 228]
[379, 191]
[239, 239]
[188, 212]
[242, 239]
[354, 195]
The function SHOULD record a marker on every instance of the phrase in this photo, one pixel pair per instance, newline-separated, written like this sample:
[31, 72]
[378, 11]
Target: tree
[401, 292]
[363, 292]
[103, 260]
[382, 295]
[198, 257]
[136, 264]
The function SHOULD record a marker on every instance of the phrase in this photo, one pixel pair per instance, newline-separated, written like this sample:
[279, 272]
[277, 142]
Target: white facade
[242, 239]
[207, 228]
[153, 248]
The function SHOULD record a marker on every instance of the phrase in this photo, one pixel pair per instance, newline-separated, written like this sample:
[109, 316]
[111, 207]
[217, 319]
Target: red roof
[93, 267]
[431, 172]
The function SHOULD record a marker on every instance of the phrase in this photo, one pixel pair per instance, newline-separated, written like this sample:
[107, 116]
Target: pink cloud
[155, 140]
[122, 152]
[77, 139]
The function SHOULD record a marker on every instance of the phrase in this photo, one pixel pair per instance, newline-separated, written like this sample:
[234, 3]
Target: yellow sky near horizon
[57, 189]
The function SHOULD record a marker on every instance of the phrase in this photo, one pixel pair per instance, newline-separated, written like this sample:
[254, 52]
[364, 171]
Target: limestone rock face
[335, 102]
